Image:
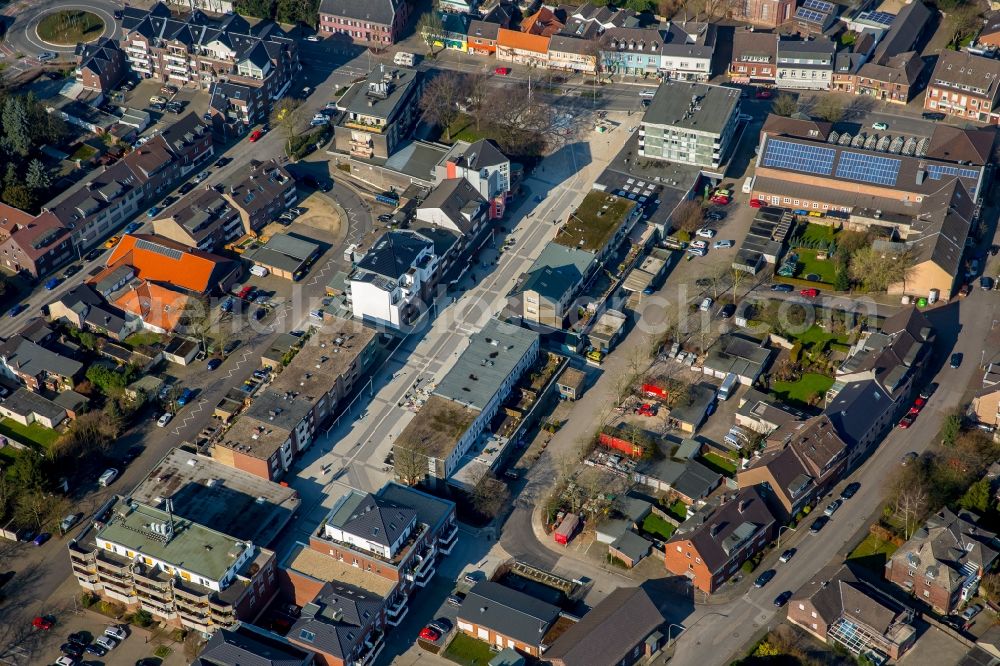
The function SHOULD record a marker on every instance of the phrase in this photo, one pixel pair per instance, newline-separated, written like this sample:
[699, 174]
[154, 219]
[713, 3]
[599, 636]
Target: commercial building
[839, 608]
[378, 113]
[711, 545]
[806, 65]
[944, 561]
[376, 22]
[545, 293]
[464, 402]
[285, 255]
[482, 38]
[157, 259]
[390, 285]
[755, 57]
[572, 54]
[964, 85]
[631, 51]
[507, 618]
[687, 50]
[183, 573]
[484, 166]
[801, 462]
[522, 48]
[690, 123]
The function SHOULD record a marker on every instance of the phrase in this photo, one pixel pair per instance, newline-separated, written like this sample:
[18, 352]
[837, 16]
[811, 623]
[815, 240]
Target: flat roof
[597, 219]
[486, 363]
[692, 106]
[437, 427]
[220, 497]
[326, 568]
[284, 252]
[192, 547]
[324, 357]
[361, 100]
[255, 438]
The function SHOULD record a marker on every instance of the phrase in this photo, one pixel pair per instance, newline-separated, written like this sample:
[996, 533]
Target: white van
[404, 59]
[259, 271]
[728, 384]
[648, 93]
[748, 185]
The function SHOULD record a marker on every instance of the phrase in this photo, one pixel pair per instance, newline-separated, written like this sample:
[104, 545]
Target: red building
[370, 21]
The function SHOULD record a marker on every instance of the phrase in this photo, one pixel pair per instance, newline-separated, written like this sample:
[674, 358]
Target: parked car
[501, 71]
[850, 490]
[133, 453]
[727, 311]
[705, 232]
[818, 524]
[986, 283]
[66, 661]
[41, 538]
[17, 309]
[428, 633]
[79, 637]
[51, 283]
[764, 578]
[697, 251]
[706, 304]
[168, 89]
[202, 176]
[787, 555]
[153, 212]
[69, 521]
[764, 94]
[782, 598]
[115, 632]
[456, 599]
[809, 293]
[108, 477]
[929, 391]
[880, 126]
[214, 363]
[222, 161]
[255, 135]
[442, 624]
[107, 643]
[71, 650]
[43, 623]
[956, 359]
[45, 56]
[782, 287]
[906, 421]
[185, 397]
[909, 457]
[832, 507]
[971, 612]
[933, 115]
[95, 650]
[715, 215]
[71, 271]
[156, 99]
[723, 244]
[186, 187]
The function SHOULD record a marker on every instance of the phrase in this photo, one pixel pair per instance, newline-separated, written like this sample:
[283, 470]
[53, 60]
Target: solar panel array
[864, 168]
[810, 15]
[819, 5]
[158, 249]
[879, 18]
[799, 157]
[936, 171]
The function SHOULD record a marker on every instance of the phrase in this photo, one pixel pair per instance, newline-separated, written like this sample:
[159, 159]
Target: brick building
[964, 85]
[100, 66]
[755, 57]
[370, 22]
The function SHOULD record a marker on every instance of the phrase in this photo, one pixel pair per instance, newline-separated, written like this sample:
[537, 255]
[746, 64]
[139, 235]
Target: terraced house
[370, 21]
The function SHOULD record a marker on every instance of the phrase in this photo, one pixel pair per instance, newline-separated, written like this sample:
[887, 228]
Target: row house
[755, 57]
[482, 37]
[631, 51]
[198, 51]
[507, 618]
[589, 21]
[376, 22]
[572, 54]
[522, 48]
[805, 64]
[37, 367]
[259, 192]
[299, 401]
[964, 85]
[484, 166]
[688, 47]
[203, 219]
[183, 573]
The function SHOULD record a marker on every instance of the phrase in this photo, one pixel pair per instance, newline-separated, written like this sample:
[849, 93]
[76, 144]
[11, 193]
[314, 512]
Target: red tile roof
[163, 260]
[523, 41]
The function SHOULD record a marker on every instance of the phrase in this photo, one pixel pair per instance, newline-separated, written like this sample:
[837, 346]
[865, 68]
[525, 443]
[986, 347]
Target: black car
[71, 649]
[986, 283]
[186, 187]
[72, 270]
[80, 638]
[94, 254]
[259, 313]
[96, 650]
[933, 115]
[133, 453]
[782, 598]
[929, 391]
[818, 524]
[443, 623]
[782, 287]
[850, 490]
[764, 578]
[956, 359]
[715, 215]
[156, 106]
[222, 161]
[727, 311]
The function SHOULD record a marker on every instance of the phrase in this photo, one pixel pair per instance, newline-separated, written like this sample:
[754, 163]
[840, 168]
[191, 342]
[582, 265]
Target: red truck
[567, 528]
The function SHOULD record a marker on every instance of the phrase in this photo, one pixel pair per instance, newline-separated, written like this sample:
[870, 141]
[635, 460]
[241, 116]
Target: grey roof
[857, 408]
[632, 546]
[608, 633]
[567, 44]
[371, 517]
[369, 11]
[557, 269]
[688, 477]
[337, 620]
[692, 106]
[483, 153]
[906, 28]
[416, 159]
[689, 38]
[700, 396]
[812, 48]
[283, 251]
[484, 30]
[24, 403]
[70, 400]
[486, 363]
[31, 359]
[509, 612]
[246, 645]
[739, 355]
[393, 254]
[458, 200]
[431, 511]
[358, 100]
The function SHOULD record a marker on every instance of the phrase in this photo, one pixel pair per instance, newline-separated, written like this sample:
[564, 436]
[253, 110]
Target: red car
[809, 293]
[429, 634]
[907, 421]
[245, 292]
[914, 411]
[720, 200]
[919, 403]
[764, 94]
[42, 623]
[502, 71]
[256, 134]
[756, 203]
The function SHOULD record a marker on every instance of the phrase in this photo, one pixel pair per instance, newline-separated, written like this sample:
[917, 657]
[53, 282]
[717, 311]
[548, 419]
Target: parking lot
[192, 101]
[90, 626]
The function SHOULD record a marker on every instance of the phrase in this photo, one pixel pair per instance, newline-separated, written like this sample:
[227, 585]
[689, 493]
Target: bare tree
[688, 216]
[519, 125]
[410, 465]
[477, 91]
[490, 496]
[441, 98]
[285, 115]
[877, 270]
[736, 276]
[784, 105]
[830, 109]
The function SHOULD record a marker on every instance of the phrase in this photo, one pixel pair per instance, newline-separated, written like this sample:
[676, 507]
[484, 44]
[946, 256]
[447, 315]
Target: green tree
[37, 177]
[16, 125]
[842, 282]
[255, 8]
[298, 11]
[979, 497]
[18, 196]
[430, 26]
[951, 428]
[28, 471]
[784, 105]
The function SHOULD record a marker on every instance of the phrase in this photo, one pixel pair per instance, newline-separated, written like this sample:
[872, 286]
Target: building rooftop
[192, 547]
[486, 364]
[380, 95]
[248, 645]
[220, 497]
[304, 559]
[437, 427]
[692, 106]
[432, 511]
[370, 517]
[324, 358]
[284, 252]
[508, 612]
[24, 402]
[592, 225]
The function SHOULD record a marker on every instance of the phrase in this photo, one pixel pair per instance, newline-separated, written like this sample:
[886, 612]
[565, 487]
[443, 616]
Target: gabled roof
[247, 645]
[156, 305]
[906, 28]
[162, 260]
[481, 154]
[483, 30]
[607, 634]
[394, 254]
[371, 517]
[100, 56]
[337, 620]
[959, 70]
[370, 11]
[33, 360]
[458, 200]
[955, 144]
[545, 22]
[837, 593]
[509, 612]
[523, 41]
[857, 408]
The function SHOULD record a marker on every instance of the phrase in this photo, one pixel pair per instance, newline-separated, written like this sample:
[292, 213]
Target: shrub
[87, 600]
[142, 618]
[162, 651]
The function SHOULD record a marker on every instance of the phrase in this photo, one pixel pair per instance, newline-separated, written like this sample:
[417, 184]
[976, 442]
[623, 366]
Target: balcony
[364, 127]
[370, 649]
[394, 614]
[448, 539]
[204, 627]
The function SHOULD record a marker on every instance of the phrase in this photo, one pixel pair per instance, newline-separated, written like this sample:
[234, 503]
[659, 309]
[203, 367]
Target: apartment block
[690, 123]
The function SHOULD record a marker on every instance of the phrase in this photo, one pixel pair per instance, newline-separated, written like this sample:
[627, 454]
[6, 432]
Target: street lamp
[79, 249]
[669, 627]
[783, 527]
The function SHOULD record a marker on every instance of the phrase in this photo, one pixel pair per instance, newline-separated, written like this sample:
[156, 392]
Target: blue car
[132, 226]
[17, 309]
[153, 211]
[185, 397]
[52, 283]
[42, 538]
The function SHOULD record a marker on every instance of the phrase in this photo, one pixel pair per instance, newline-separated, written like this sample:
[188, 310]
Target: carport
[284, 255]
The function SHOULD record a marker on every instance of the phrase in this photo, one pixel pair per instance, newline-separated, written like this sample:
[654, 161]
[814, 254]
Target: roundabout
[50, 25]
[68, 27]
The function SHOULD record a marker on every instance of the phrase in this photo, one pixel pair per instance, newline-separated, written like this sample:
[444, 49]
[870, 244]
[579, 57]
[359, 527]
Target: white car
[312, 38]
[706, 304]
[108, 477]
[107, 643]
[718, 245]
[697, 251]
[66, 661]
[115, 632]
[880, 126]
[164, 419]
[705, 232]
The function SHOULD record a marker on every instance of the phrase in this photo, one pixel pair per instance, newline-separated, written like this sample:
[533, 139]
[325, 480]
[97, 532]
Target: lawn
[724, 466]
[816, 335]
[826, 269]
[873, 553]
[655, 525]
[143, 339]
[463, 129]
[817, 233]
[69, 26]
[33, 434]
[678, 510]
[804, 389]
[469, 651]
